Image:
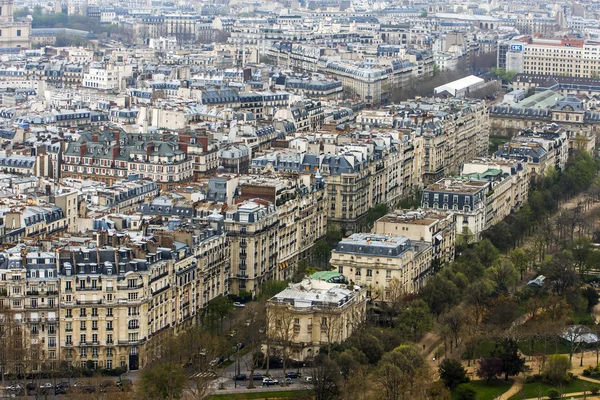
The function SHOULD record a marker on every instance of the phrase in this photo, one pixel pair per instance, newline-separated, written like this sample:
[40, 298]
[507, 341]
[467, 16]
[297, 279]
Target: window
[357, 271]
[109, 326]
[369, 272]
[95, 338]
[109, 353]
[109, 312]
[109, 338]
[18, 32]
[83, 354]
[94, 325]
[82, 338]
[69, 313]
[82, 326]
[82, 312]
[388, 274]
[94, 312]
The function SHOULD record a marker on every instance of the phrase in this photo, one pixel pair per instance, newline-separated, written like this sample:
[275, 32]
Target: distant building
[313, 313]
[384, 263]
[461, 87]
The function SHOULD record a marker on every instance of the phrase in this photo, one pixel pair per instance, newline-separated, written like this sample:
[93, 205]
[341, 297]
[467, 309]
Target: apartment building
[110, 155]
[451, 138]
[253, 232]
[437, 227]
[29, 299]
[541, 149]
[571, 57]
[384, 264]
[314, 313]
[302, 205]
[467, 199]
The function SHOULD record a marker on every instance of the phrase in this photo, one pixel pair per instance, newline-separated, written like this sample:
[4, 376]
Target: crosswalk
[207, 375]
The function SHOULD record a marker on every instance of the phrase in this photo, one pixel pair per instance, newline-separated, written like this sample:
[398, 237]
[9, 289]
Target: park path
[514, 389]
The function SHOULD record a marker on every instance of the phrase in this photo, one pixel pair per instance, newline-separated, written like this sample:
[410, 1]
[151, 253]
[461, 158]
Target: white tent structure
[461, 87]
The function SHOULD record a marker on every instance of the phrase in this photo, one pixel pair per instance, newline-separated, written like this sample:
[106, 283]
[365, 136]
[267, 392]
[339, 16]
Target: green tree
[440, 294]
[520, 260]
[415, 319]
[374, 213]
[582, 249]
[560, 271]
[556, 368]
[326, 378]
[502, 274]
[270, 288]
[478, 296]
[512, 363]
[452, 373]
[465, 392]
[321, 254]
[486, 252]
[217, 310]
[163, 381]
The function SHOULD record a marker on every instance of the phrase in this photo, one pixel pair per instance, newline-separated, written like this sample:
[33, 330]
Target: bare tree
[282, 329]
[251, 326]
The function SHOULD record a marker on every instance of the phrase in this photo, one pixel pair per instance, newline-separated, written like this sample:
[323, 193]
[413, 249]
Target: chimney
[95, 137]
[83, 149]
[117, 134]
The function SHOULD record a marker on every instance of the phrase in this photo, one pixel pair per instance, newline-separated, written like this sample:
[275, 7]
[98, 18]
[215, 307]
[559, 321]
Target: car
[292, 374]
[16, 387]
[31, 387]
[238, 304]
[88, 389]
[288, 381]
[257, 376]
[62, 388]
[239, 377]
[269, 381]
[46, 385]
[78, 384]
[308, 379]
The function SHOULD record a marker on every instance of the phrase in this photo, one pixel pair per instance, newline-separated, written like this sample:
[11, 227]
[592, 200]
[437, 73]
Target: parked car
[31, 387]
[269, 381]
[88, 389]
[16, 387]
[238, 304]
[288, 381]
[257, 376]
[308, 379]
[293, 375]
[46, 385]
[62, 388]
[78, 384]
[239, 377]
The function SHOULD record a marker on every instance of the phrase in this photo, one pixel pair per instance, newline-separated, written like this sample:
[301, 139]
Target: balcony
[92, 302]
[130, 287]
[131, 342]
[89, 288]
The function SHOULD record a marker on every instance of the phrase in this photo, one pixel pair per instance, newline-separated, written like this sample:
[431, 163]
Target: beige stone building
[310, 314]
[387, 265]
[13, 33]
[437, 227]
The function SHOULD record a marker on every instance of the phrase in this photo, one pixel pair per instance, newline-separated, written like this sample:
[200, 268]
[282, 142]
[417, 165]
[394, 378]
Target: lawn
[488, 392]
[532, 390]
[261, 395]
[486, 347]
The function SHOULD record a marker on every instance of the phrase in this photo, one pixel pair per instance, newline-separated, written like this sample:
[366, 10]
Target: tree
[489, 368]
[321, 254]
[440, 294]
[217, 310]
[560, 272]
[486, 253]
[512, 363]
[410, 362]
[503, 274]
[454, 321]
[163, 381]
[452, 373]
[270, 288]
[281, 331]
[520, 260]
[478, 295]
[389, 377]
[591, 296]
[325, 378]
[582, 249]
[252, 327]
[466, 392]
[556, 368]
[415, 319]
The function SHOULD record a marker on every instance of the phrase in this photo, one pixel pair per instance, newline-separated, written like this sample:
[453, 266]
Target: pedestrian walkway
[514, 389]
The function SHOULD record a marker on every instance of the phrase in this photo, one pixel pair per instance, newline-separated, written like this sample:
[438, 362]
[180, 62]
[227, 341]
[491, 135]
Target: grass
[261, 395]
[532, 390]
[486, 347]
[488, 392]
